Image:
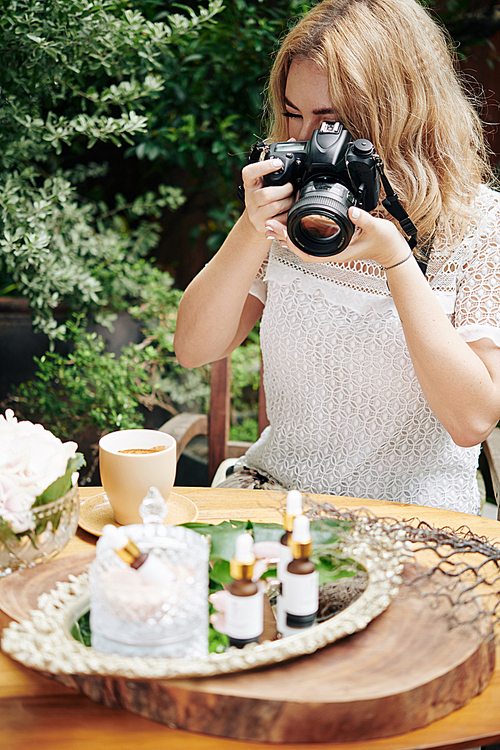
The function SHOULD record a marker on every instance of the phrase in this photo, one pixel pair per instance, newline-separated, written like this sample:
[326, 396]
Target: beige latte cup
[127, 476]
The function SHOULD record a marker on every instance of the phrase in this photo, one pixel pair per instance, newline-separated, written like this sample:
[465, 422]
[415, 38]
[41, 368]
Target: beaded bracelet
[400, 262]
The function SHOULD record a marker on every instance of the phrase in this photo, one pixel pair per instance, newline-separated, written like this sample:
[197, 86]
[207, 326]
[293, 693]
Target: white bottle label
[301, 593]
[244, 615]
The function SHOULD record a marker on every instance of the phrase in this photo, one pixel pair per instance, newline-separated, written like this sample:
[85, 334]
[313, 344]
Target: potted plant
[38, 493]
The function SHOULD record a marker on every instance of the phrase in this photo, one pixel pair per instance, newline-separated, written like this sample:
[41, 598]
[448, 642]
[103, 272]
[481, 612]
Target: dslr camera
[332, 172]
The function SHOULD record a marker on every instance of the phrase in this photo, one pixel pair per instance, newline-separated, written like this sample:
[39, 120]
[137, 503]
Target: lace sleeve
[259, 286]
[477, 308]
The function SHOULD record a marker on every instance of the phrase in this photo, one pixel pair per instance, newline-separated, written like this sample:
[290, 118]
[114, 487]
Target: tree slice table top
[404, 670]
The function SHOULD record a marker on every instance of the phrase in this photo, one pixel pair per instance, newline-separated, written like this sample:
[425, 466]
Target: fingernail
[285, 232]
[277, 163]
[355, 213]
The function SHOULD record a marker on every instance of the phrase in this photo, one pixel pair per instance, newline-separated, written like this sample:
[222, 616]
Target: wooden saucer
[96, 512]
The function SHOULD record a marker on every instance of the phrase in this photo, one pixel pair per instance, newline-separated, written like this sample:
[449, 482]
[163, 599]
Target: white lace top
[347, 414]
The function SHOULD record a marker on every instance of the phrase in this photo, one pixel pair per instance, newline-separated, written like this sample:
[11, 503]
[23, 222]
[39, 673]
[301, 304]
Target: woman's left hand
[374, 239]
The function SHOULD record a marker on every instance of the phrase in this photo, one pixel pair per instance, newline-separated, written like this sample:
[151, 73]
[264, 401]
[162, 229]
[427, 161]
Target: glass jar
[54, 524]
[133, 616]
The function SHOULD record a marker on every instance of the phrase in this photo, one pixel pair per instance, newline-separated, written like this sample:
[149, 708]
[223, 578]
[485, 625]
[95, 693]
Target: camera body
[332, 172]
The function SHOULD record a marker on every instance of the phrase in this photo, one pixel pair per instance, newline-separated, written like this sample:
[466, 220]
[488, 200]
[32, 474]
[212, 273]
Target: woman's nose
[306, 132]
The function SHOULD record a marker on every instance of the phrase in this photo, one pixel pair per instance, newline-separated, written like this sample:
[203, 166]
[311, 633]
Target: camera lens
[320, 226]
[318, 222]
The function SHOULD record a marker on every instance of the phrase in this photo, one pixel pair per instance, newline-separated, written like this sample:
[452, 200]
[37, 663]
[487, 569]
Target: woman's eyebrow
[324, 111]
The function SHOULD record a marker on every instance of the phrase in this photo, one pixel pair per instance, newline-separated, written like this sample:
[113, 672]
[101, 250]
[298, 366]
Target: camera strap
[393, 205]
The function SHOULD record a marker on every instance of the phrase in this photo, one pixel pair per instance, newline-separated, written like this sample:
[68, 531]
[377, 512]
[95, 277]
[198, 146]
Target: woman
[379, 382]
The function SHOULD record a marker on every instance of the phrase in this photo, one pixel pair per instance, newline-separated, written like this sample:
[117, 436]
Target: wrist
[397, 263]
[251, 231]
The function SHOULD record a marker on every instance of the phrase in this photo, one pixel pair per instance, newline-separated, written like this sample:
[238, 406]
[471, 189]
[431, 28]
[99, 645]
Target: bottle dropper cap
[241, 566]
[243, 551]
[301, 540]
[293, 508]
[122, 545]
[301, 530]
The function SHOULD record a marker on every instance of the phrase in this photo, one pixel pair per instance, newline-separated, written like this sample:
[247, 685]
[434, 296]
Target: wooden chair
[184, 427]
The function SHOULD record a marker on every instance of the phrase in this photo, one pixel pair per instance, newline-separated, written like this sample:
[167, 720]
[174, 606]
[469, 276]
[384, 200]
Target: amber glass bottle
[244, 615]
[301, 583]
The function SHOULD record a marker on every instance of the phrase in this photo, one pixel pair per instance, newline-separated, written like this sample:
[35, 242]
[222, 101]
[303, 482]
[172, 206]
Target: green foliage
[209, 112]
[74, 74]
[81, 630]
[245, 431]
[222, 537]
[468, 22]
[81, 394]
[57, 250]
[245, 377]
[86, 389]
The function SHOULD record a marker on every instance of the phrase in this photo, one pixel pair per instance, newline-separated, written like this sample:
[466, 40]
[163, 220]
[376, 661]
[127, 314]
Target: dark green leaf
[219, 572]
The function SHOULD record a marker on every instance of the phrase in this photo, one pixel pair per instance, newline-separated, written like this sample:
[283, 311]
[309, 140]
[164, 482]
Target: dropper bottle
[301, 584]
[244, 605]
[149, 566]
[293, 509]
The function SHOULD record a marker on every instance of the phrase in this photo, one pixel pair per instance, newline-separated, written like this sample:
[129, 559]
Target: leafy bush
[73, 74]
[88, 391]
[209, 112]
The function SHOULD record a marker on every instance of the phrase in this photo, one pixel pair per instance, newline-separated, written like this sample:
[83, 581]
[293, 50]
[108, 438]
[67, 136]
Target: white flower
[15, 505]
[31, 459]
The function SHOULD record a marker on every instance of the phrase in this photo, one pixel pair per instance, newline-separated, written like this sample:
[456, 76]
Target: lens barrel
[318, 222]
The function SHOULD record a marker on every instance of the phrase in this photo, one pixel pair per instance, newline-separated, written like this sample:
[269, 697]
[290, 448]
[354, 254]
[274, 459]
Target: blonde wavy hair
[392, 80]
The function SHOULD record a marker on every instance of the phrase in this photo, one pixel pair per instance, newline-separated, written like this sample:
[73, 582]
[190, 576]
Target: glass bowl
[55, 524]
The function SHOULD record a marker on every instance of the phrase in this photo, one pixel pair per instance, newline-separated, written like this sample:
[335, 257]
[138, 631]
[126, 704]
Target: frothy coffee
[155, 449]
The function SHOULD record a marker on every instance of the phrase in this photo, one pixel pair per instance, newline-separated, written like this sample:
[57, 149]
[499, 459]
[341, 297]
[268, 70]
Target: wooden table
[40, 714]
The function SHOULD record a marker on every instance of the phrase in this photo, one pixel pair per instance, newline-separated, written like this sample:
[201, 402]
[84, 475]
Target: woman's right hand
[264, 203]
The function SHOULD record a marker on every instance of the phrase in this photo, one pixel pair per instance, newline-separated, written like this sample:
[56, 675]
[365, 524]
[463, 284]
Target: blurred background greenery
[123, 128]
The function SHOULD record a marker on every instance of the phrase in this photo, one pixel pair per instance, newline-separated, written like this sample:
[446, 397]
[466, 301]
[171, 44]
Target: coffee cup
[132, 461]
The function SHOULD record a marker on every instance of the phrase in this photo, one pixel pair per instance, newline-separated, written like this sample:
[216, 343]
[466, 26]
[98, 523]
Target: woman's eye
[291, 115]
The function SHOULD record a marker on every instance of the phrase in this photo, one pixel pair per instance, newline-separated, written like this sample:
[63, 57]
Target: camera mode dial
[362, 147]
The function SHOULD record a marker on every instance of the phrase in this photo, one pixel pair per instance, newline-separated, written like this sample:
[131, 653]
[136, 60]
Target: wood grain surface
[35, 711]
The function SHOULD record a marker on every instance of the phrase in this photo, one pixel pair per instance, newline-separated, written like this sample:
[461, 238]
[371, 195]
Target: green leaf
[267, 532]
[222, 537]
[217, 642]
[325, 531]
[81, 629]
[76, 632]
[62, 485]
[219, 572]
[6, 533]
